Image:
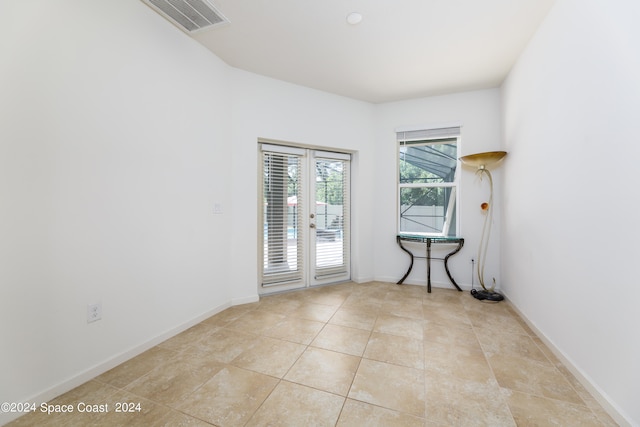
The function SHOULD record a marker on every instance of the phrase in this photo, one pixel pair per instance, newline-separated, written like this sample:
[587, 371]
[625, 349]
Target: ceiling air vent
[190, 16]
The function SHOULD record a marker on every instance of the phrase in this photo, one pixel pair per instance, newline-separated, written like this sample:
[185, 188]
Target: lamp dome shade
[483, 160]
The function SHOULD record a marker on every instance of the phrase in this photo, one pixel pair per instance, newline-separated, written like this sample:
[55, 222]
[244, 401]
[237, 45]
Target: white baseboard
[362, 279]
[89, 374]
[245, 300]
[611, 408]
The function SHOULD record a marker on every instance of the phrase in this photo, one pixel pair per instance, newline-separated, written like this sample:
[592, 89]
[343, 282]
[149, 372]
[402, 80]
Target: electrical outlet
[94, 312]
[218, 208]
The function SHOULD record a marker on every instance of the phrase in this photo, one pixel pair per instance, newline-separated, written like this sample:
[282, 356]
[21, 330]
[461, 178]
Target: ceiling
[402, 49]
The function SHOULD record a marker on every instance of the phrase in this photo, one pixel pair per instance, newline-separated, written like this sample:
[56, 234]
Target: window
[428, 181]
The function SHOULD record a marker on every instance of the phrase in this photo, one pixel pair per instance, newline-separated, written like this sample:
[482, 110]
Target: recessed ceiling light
[354, 18]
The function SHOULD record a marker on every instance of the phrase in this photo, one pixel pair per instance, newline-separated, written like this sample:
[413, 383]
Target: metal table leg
[446, 267]
[410, 265]
[429, 265]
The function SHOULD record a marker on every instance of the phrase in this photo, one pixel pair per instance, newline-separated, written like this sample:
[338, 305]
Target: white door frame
[304, 243]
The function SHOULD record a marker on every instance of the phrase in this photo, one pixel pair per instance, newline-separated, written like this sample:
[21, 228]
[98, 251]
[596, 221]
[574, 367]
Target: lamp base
[486, 295]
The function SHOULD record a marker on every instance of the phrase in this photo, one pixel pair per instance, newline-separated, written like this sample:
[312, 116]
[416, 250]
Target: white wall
[570, 223]
[268, 108]
[119, 134]
[114, 145]
[479, 114]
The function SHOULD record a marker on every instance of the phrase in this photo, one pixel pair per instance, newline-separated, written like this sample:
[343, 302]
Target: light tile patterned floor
[372, 354]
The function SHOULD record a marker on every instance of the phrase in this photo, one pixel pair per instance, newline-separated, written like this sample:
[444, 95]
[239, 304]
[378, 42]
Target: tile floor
[373, 354]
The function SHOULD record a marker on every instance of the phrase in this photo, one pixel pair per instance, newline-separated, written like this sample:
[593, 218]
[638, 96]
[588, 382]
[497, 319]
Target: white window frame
[435, 134]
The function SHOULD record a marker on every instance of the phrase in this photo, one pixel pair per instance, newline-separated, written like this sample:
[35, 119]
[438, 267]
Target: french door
[305, 208]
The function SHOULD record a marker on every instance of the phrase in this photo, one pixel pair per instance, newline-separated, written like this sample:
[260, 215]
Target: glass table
[430, 240]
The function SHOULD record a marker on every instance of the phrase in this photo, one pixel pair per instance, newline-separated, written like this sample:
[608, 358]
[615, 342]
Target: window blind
[405, 136]
[332, 238]
[283, 214]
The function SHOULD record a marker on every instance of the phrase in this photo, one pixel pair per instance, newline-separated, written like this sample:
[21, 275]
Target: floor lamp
[482, 162]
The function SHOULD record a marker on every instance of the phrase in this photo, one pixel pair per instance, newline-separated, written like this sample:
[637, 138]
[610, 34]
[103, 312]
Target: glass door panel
[330, 214]
[284, 225]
